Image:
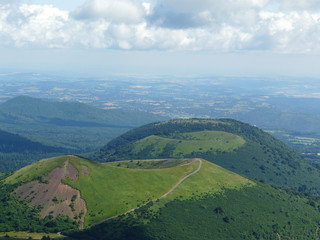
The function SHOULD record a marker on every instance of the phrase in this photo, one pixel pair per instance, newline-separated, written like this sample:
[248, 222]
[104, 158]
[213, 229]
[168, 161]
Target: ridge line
[153, 200]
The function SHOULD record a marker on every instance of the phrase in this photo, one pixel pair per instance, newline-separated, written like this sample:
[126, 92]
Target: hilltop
[72, 125]
[114, 188]
[231, 144]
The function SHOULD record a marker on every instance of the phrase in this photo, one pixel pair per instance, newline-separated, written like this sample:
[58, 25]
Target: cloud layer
[283, 26]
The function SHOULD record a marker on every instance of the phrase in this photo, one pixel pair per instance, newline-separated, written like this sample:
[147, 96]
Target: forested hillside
[260, 212]
[17, 151]
[255, 154]
[71, 125]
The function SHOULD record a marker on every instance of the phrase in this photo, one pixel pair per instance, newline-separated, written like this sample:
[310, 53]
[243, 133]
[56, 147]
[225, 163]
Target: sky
[217, 37]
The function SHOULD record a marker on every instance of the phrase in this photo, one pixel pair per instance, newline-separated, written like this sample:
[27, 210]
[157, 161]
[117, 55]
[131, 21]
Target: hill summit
[234, 145]
[91, 192]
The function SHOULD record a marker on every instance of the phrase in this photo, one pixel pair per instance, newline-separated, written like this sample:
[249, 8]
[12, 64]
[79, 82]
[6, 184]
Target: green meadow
[210, 179]
[151, 163]
[186, 143]
[111, 190]
[28, 235]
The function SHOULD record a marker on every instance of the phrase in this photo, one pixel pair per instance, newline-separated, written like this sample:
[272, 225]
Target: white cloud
[293, 32]
[215, 25]
[297, 5]
[192, 14]
[116, 11]
[28, 24]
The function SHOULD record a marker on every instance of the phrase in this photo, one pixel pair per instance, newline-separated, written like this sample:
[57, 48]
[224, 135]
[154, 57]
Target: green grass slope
[112, 189]
[257, 212]
[234, 145]
[187, 143]
[78, 126]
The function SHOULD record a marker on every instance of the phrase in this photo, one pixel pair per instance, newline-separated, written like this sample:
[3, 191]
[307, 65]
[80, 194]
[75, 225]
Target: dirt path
[153, 200]
[181, 180]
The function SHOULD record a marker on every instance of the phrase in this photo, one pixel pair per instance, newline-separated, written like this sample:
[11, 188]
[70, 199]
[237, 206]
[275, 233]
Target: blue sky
[217, 37]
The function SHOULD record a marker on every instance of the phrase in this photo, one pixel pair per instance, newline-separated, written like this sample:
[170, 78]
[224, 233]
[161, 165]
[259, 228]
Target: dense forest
[13, 143]
[17, 151]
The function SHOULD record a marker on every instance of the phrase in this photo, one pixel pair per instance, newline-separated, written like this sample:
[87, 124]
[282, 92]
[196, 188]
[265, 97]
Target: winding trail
[153, 200]
[184, 178]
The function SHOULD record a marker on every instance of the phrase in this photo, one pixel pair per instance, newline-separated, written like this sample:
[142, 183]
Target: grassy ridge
[114, 188]
[37, 170]
[150, 164]
[186, 143]
[110, 190]
[210, 179]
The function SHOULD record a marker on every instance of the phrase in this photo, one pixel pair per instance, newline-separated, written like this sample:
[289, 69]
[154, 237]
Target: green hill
[17, 151]
[14, 143]
[152, 199]
[73, 125]
[112, 189]
[234, 145]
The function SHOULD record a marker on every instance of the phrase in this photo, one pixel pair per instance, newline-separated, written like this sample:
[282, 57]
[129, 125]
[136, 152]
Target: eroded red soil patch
[85, 170]
[55, 197]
